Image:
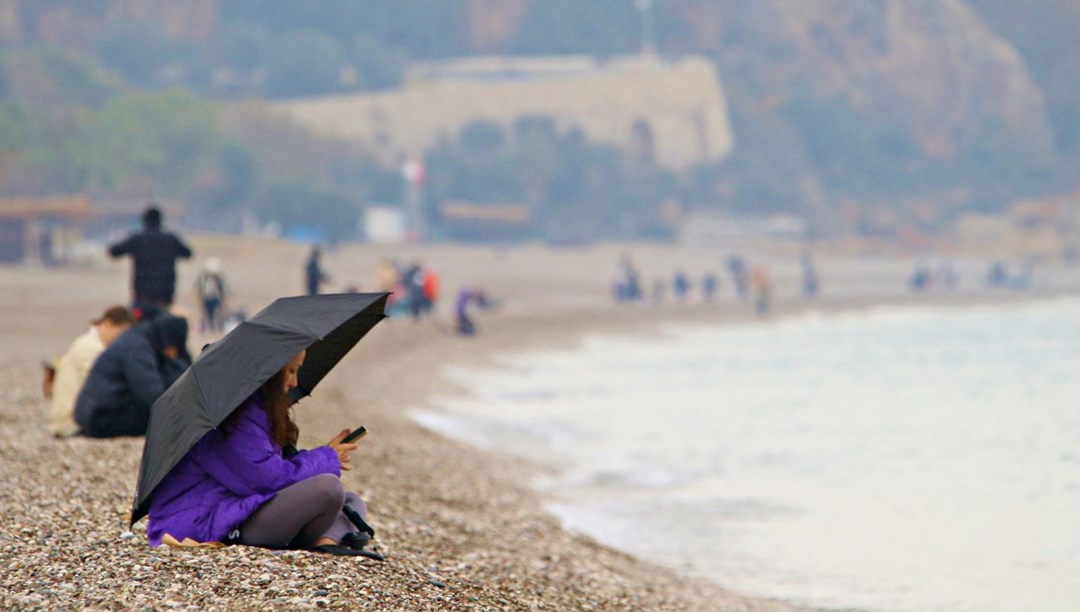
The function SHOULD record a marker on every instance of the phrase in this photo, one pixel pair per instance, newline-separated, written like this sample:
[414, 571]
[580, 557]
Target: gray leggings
[300, 514]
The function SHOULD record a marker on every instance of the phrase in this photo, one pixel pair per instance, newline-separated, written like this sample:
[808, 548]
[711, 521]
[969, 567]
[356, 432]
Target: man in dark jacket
[154, 254]
[130, 375]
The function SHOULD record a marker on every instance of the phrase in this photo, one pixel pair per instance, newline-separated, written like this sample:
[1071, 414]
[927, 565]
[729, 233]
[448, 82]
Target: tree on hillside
[305, 63]
[162, 137]
[308, 209]
[136, 49]
[565, 27]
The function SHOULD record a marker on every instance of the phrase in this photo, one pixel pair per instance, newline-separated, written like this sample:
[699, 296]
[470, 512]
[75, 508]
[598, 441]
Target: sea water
[892, 459]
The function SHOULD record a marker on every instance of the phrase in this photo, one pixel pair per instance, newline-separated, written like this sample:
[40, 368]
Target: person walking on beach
[236, 485]
[736, 266]
[314, 277]
[709, 284]
[154, 254]
[762, 287]
[680, 286]
[810, 280]
[415, 299]
[72, 368]
[628, 288]
[129, 375]
[212, 292]
[429, 290]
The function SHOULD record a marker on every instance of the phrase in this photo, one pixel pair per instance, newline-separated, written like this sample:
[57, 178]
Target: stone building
[677, 108]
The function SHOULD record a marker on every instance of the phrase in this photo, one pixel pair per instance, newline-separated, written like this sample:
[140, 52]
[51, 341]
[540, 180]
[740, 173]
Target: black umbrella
[233, 368]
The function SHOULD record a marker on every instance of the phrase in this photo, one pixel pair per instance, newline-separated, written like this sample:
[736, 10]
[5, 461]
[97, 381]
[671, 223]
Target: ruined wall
[682, 103]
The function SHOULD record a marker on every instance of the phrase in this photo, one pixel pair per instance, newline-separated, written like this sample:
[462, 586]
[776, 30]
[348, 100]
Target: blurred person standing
[811, 283]
[314, 277]
[429, 290]
[680, 286]
[387, 275]
[212, 293]
[413, 280]
[72, 367]
[736, 266]
[154, 254]
[709, 283]
[762, 287]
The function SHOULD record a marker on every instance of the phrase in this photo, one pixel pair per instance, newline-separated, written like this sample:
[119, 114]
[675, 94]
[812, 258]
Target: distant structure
[41, 230]
[713, 228]
[677, 107]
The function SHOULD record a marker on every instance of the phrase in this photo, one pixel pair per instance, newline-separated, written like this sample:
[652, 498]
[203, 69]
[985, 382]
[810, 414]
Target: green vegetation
[161, 137]
[68, 128]
[137, 112]
[575, 188]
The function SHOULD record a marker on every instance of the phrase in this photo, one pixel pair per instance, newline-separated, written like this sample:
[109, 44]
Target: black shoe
[356, 540]
[345, 551]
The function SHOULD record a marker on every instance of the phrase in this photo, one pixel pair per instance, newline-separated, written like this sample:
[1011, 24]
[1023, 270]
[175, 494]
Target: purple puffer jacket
[226, 476]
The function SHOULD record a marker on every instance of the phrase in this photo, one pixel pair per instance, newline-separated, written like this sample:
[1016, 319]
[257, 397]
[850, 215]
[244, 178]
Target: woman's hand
[343, 449]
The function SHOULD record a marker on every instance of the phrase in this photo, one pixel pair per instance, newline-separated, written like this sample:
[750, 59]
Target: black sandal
[345, 551]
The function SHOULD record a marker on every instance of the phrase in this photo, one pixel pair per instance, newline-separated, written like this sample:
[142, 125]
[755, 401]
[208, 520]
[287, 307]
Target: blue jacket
[226, 476]
[129, 376]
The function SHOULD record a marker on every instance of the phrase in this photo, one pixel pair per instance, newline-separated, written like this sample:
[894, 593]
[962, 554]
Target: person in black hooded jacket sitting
[130, 375]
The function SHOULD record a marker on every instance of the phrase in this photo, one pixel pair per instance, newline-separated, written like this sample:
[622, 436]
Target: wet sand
[459, 526]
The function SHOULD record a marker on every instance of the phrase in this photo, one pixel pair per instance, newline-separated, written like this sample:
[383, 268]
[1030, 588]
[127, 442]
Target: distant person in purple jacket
[236, 485]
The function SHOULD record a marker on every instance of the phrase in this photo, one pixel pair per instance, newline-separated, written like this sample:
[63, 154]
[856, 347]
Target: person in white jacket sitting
[70, 370]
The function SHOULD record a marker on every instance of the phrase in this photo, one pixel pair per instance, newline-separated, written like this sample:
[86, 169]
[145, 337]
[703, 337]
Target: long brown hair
[278, 408]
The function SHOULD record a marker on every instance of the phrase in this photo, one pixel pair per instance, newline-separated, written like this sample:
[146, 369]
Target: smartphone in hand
[355, 434]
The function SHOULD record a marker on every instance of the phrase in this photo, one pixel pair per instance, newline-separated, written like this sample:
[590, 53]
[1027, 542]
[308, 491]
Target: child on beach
[237, 486]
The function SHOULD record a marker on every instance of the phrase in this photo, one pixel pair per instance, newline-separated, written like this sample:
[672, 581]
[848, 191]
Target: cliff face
[931, 68]
[928, 66]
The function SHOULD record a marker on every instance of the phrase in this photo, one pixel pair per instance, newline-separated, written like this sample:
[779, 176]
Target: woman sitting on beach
[236, 485]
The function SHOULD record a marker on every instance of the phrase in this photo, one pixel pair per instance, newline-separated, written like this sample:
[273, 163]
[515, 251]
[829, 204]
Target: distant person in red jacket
[430, 290]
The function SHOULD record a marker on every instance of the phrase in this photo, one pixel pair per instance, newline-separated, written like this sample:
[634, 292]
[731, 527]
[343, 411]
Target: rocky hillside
[930, 67]
[933, 67]
[878, 99]
[891, 112]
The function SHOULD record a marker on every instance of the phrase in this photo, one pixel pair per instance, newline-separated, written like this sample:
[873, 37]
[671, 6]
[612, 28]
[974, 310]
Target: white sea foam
[893, 459]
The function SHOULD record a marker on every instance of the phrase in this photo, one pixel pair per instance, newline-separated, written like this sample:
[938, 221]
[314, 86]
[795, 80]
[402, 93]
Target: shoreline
[460, 527]
[616, 327]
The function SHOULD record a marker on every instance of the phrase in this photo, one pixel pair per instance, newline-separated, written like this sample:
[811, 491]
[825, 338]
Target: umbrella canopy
[233, 368]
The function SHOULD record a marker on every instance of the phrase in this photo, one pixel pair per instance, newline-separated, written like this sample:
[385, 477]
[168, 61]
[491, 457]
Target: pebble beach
[459, 527]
